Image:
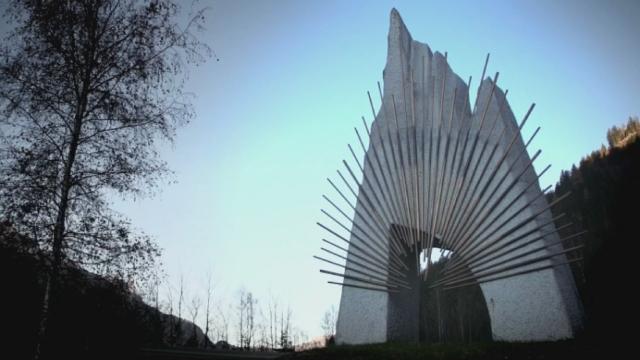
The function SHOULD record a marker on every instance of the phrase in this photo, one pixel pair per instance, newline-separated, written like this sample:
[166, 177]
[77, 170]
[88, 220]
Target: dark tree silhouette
[87, 89]
[329, 322]
[246, 318]
[604, 201]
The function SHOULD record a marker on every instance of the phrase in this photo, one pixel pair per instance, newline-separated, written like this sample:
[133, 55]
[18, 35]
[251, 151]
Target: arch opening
[454, 315]
[433, 315]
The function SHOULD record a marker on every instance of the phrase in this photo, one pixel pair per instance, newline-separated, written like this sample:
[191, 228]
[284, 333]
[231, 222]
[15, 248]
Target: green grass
[491, 350]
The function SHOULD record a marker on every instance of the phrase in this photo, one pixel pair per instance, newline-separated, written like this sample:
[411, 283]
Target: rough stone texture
[541, 305]
[404, 306]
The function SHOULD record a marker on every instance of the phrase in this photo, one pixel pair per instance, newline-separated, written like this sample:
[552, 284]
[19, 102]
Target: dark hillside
[97, 318]
[605, 201]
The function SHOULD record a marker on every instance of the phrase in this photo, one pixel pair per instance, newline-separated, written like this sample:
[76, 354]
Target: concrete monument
[441, 171]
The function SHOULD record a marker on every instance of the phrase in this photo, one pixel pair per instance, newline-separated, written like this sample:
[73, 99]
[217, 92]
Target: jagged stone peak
[396, 25]
[399, 35]
[408, 58]
[411, 76]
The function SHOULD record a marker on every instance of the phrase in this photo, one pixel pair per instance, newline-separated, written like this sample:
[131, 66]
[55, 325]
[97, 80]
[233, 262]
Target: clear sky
[274, 116]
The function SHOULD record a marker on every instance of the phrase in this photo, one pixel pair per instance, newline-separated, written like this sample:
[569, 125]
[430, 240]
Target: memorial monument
[443, 171]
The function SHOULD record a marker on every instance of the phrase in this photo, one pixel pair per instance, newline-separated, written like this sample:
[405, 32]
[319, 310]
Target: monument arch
[440, 170]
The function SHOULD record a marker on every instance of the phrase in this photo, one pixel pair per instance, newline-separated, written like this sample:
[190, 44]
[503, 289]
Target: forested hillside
[605, 201]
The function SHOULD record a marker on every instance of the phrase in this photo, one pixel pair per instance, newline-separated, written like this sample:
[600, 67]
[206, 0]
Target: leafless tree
[194, 309]
[299, 337]
[150, 290]
[207, 317]
[156, 291]
[273, 321]
[251, 303]
[246, 318]
[178, 324]
[262, 340]
[223, 323]
[171, 326]
[87, 90]
[285, 329]
[329, 321]
[241, 320]
[180, 294]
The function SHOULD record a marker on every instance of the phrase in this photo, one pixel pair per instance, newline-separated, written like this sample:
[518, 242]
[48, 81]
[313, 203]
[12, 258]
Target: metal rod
[474, 257]
[484, 245]
[365, 204]
[364, 218]
[386, 193]
[513, 266]
[462, 216]
[381, 257]
[481, 281]
[397, 186]
[483, 217]
[477, 266]
[399, 171]
[455, 167]
[394, 210]
[383, 218]
[437, 175]
[374, 277]
[461, 213]
[490, 178]
[376, 270]
[362, 287]
[357, 278]
[378, 265]
[473, 230]
[352, 233]
[464, 239]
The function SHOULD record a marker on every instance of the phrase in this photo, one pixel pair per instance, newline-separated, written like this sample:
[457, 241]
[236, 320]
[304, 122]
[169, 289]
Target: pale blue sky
[274, 116]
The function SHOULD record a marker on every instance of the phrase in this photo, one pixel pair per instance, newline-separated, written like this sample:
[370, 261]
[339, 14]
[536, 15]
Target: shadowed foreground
[179, 354]
[498, 350]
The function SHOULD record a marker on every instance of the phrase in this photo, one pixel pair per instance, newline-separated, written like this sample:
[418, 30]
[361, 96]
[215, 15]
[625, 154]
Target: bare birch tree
[87, 90]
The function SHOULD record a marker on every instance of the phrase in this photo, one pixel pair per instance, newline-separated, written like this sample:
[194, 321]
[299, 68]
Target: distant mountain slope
[96, 317]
